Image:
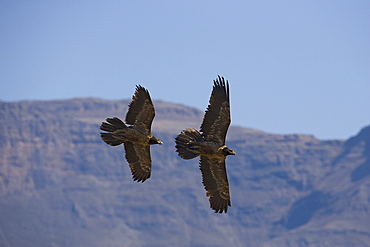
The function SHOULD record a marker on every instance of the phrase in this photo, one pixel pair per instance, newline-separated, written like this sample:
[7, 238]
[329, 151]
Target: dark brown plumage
[137, 137]
[210, 146]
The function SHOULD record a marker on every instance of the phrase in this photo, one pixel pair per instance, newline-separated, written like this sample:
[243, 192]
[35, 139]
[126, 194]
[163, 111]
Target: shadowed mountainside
[61, 185]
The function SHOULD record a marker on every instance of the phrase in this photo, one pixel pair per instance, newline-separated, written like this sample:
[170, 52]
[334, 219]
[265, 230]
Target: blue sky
[293, 66]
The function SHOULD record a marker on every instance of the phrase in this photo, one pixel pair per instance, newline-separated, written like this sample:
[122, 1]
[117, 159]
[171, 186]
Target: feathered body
[136, 137]
[210, 146]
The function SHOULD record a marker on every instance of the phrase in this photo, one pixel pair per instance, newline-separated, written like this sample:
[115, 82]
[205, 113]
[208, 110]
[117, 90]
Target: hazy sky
[293, 66]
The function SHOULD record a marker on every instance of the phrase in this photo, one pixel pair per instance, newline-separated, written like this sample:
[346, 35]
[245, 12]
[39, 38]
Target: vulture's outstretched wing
[217, 119]
[138, 157]
[216, 183]
[141, 110]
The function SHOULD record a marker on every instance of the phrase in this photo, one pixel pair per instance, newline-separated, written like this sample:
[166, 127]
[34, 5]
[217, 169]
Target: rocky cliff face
[60, 185]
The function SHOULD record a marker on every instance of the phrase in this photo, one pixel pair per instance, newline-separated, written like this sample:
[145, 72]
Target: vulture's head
[154, 140]
[228, 151]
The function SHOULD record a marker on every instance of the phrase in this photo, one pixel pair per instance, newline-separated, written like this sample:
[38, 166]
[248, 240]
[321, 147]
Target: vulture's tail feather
[112, 125]
[186, 143]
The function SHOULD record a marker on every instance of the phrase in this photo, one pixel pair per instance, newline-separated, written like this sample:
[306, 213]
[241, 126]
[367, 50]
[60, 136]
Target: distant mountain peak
[58, 179]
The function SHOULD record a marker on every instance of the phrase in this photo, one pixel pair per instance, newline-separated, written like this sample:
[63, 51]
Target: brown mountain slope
[60, 185]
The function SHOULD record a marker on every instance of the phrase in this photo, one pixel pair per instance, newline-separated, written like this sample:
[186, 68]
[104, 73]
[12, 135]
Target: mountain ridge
[60, 185]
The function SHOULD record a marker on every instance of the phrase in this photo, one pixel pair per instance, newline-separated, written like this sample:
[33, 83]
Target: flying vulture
[136, 137]
[210, 146]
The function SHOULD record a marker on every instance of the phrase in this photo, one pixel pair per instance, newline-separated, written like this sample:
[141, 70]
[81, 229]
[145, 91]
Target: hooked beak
[230, 152]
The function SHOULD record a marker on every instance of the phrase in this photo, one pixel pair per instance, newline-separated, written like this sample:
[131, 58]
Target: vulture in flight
[210, 146]
[136, 137]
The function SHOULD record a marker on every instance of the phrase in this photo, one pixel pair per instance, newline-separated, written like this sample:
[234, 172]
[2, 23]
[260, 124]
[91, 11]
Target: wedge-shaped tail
[112, 125]
[187, 142]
